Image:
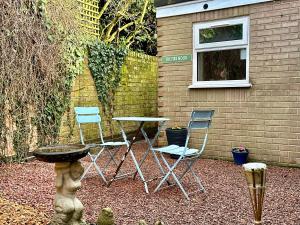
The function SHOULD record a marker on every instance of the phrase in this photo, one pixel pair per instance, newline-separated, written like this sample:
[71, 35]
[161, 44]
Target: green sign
[176, 58]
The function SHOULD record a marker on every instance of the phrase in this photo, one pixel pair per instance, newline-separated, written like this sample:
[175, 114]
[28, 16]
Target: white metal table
[141, 121]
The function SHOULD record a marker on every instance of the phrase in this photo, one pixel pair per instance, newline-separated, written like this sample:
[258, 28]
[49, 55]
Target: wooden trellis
[89, 16]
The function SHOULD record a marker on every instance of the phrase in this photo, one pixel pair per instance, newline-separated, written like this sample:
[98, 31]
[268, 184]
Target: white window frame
[197, 6]
[224, 45]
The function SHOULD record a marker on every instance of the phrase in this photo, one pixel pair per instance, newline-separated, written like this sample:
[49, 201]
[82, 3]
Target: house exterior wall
[266, 117]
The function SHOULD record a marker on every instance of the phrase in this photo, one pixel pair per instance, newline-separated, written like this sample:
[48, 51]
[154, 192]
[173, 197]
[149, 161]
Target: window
[221, 53]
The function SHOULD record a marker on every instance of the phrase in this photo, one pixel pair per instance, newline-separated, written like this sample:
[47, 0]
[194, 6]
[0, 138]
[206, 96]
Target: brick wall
[266, 117]
[136, 96]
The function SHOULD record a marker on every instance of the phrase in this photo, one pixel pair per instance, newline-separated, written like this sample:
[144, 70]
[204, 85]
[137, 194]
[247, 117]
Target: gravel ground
[225, 202]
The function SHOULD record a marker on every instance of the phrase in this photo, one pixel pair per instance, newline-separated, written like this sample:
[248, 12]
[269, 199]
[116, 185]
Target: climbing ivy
[73, 52]
[42, 51]
[105, 63]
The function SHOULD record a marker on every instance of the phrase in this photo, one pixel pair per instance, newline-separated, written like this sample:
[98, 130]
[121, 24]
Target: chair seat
[176, 150]
[113, 143]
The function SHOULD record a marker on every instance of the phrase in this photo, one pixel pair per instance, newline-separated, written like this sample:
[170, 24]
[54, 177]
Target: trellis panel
[89, 16]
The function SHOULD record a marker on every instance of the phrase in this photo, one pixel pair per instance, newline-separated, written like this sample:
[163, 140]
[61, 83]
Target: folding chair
[89, 115]
[200, 119]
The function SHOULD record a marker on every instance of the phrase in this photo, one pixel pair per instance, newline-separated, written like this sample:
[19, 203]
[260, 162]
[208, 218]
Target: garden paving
[226, 200]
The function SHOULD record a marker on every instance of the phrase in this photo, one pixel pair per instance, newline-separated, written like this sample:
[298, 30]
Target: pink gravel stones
[226, 201]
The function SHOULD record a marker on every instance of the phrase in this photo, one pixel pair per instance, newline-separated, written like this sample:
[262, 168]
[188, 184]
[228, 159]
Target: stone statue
[68, 209]
[142, 222]
[106, 217]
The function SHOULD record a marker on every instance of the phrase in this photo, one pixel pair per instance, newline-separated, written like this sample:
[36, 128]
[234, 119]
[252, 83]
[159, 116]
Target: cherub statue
[68, 209]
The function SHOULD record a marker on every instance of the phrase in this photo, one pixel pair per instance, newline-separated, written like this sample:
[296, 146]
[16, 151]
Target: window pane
[221, 65]
[226, 33]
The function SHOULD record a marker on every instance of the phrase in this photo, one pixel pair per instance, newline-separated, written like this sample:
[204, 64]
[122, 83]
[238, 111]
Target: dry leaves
[12, 213]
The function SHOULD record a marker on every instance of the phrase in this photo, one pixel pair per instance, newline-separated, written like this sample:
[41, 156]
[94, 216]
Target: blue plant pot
[239, 157]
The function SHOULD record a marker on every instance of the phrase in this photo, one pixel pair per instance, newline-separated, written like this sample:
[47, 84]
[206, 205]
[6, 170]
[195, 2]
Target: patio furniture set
[69, 171]
[199, 120]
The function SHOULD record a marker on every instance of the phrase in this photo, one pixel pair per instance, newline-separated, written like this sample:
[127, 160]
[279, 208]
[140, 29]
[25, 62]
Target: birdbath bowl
[68, 209]
[61, 153]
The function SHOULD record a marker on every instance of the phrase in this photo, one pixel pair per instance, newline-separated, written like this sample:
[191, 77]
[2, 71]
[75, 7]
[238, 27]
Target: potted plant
[240, 155]
[176, 136]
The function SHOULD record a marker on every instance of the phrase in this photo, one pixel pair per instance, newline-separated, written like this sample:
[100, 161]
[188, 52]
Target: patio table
[141, 121]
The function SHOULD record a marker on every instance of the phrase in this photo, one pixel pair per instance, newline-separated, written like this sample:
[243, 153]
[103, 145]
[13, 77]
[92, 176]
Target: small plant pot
[176, 137]
[239, 157]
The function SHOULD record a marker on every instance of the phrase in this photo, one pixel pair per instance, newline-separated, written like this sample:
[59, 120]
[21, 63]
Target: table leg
[145, 154]
[150, 144]
[125, 154]
[139, 171]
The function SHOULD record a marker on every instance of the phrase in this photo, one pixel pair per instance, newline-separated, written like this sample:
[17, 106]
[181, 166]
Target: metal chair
[200, 119]
[89, 115]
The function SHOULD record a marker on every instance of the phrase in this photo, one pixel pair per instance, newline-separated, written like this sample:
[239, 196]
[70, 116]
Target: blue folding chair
[90, 115]
[200, 119]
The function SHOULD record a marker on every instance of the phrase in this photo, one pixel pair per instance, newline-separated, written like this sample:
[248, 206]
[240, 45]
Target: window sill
[229, 85]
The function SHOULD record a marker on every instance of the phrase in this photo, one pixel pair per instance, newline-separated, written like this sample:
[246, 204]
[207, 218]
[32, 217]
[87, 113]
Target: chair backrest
[85, 115]
[200, 119]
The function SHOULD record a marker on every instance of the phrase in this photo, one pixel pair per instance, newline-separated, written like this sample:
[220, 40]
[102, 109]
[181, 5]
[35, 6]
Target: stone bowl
[61, 153]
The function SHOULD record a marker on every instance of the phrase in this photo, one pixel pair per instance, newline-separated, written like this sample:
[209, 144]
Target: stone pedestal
[68, 209]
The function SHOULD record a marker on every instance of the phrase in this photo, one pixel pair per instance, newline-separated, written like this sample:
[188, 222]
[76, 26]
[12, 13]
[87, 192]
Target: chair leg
[112, 155]
[177, 182]
[89, 167]
[141, 162]
[94, 162]
[167, 165]
[198, 180]
[100, 172]
[150, 143]
[180, 186]
[175, 177]
[159, 165]
[85, 171]
[189, 167]
[111, 158]
[162, 181]
[170, 170]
